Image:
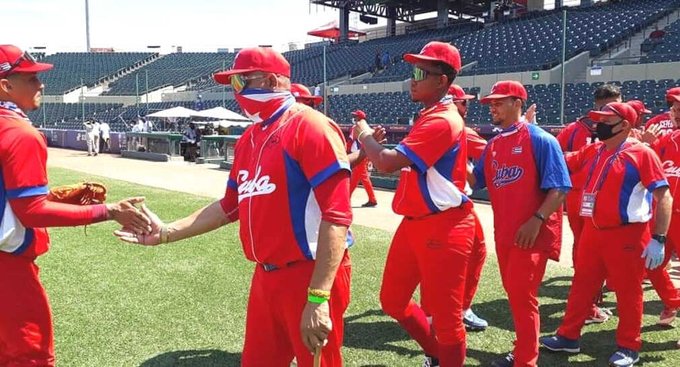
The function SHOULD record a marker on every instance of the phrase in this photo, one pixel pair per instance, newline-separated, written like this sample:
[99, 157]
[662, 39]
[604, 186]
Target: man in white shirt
[105, 131]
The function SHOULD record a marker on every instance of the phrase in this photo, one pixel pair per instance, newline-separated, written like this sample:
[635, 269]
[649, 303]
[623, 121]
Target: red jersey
[277, 168]
[475, 144]
[518, 167]
[23, 173]
[621, 181]
[576, 135]
[663, 120]
[437, 147]
[668, 150]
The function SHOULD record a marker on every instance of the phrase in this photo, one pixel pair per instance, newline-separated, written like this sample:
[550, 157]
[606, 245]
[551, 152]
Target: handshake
[139, 225]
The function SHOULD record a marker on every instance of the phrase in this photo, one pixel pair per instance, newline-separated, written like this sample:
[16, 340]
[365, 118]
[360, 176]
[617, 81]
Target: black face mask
[604, 131]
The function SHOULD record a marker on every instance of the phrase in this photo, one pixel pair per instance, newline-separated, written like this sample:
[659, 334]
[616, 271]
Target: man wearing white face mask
[289, 188]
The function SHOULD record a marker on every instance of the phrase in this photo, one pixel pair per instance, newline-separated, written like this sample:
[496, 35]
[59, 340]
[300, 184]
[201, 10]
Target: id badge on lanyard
[588, 198]
[588, 204]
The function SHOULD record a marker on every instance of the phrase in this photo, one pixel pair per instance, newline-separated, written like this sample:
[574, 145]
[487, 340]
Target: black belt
[272, 267]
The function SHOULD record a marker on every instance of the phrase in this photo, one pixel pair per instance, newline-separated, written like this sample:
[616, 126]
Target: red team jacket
[518, 167]
[630, 172]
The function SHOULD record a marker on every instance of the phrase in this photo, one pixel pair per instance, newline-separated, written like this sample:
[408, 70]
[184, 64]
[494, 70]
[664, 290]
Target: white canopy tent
[174, 112]
[221, 113]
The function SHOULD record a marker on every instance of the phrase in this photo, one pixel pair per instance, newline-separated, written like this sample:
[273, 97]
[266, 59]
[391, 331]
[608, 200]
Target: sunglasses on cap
[238, 81]
[421, 74]
[6, 68]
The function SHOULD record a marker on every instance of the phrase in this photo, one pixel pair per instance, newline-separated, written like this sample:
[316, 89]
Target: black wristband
[660, 237]
[539, 216]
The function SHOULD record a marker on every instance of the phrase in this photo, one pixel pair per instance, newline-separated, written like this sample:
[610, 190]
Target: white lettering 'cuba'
[670, 169]
[255, 186]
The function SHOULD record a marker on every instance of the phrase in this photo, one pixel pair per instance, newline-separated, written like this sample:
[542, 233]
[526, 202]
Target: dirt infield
[208, 180]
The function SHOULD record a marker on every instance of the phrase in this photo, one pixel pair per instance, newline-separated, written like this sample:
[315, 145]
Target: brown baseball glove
[83, 193]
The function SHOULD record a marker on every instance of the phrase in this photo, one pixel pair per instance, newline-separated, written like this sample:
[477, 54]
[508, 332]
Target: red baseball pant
[661, 281]
[573, 204]
[26, 336]
[360, 173]
[612, 255]
[475, 264]
[521, 273]
[432, 251]
[277, 299]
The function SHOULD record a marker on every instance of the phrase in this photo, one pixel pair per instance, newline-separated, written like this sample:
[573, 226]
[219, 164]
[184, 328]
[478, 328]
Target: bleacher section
[535, 42]
[358, 58]
[668, 50]
[70, 115]
[91, 68]
[397, 107]
[171, 70]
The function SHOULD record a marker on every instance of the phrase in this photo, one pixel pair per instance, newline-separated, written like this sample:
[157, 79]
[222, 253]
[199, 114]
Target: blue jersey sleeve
[550, 162]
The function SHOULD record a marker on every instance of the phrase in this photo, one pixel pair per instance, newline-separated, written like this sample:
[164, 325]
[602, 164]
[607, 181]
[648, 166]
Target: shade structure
[332, 30]
[174, 112]
[222, 114]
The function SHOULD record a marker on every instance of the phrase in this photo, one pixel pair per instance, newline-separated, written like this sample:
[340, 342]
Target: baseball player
[659, 277]
[667, 121]
[527, 179]
[360, 172]
[26, 334]
[572, 138]
[432, 245]
[475, 147]
[622, 175]
[304, 96]
[667, 147]
[290, 169]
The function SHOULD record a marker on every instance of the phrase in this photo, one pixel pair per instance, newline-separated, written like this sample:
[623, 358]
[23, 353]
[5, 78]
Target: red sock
[419, 329]
[452, 355]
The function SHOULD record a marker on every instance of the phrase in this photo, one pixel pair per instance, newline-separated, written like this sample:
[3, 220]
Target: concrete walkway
[210, 181]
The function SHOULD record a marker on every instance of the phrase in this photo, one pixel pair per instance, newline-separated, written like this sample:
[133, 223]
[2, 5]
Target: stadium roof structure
[406, 10]
[332, 30]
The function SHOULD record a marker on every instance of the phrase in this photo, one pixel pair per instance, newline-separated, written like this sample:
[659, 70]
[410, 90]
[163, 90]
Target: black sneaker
[370, 204]
[507, 361]
[430, 361]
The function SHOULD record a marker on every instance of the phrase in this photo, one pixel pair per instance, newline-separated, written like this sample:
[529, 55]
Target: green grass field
[183, 304]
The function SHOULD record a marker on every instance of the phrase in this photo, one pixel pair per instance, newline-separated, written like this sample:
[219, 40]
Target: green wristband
[316, 299]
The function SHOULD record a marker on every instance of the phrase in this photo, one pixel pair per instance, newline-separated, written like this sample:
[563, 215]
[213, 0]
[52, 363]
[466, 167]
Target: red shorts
[26, 336]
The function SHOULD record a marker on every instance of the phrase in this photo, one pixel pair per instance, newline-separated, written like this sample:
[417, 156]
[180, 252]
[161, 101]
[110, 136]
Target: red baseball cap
[302, 94]
[458, 93]
[361, 115]
[620, 109]
[673, 95]
[437, 51]
[14, 60]
[505, 89]
[639, 106]
[255, 59]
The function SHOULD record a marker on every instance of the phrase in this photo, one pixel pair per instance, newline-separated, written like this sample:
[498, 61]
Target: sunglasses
[238, 82]
[6, 68]
[421, 74]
